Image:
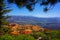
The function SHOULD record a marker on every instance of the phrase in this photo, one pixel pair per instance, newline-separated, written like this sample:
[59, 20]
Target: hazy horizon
[33, 16]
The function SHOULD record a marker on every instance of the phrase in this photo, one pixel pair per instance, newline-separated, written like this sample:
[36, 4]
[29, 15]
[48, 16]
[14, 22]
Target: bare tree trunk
[1, 16]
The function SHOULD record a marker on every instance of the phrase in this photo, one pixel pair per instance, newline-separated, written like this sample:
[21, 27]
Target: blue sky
[37, 12]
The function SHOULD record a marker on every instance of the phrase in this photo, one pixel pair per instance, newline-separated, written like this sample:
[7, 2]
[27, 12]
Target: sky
[37, 12]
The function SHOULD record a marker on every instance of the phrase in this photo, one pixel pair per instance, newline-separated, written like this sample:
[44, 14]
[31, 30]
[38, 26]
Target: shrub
[19, 37]
[4, 30]
[6, 37]
[38, 34]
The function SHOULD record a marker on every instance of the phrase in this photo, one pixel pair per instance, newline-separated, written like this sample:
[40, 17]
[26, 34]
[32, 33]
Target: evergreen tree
[2, 12]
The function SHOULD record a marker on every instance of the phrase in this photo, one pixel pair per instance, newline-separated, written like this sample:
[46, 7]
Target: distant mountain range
[51, 23]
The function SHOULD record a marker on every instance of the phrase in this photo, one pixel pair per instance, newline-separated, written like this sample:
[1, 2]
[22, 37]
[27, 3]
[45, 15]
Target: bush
[6, 37]
[5, 29]
[53, 35]
[19, 37]
[38, 34]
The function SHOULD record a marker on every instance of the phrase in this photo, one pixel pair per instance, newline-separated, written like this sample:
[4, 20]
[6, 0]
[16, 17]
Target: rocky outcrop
[25, 29]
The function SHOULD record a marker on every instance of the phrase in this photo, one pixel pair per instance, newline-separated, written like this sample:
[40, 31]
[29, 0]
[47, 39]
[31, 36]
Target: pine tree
[2, 12]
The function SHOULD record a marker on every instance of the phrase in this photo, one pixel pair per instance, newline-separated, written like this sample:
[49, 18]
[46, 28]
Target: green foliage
[19, 37]
[5, 29]
[6, 11]
[52, 35]
[6, 37]
[2, 12]
[25, 37]
[39, 34]
[55, 34]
